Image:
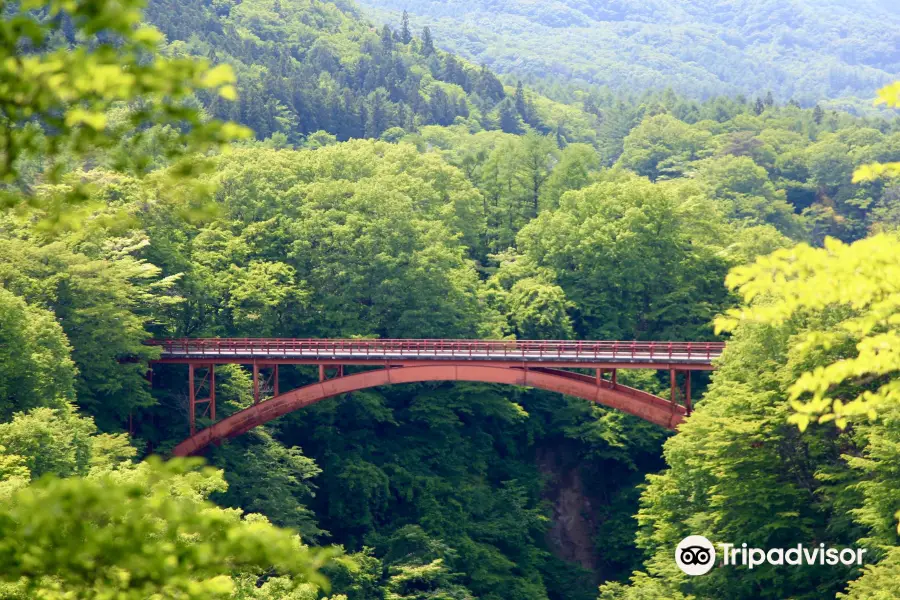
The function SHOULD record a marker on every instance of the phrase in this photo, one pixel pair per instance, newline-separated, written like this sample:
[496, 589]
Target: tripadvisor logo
[696, 555]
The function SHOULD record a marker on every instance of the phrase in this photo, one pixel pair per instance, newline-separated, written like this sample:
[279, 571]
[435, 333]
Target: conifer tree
[427, 42]
[818, 114]
[509, 117]
[521, 107]
[760, 106]
[387, 39]
[405, 33]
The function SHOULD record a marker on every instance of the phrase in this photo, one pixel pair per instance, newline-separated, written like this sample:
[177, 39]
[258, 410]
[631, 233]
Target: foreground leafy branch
[860, 284]
[136, 534]
[55, 99]
[890, 96]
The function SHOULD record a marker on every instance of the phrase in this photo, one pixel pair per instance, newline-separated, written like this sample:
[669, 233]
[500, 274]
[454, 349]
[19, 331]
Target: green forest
[291, 169]
[804, 50]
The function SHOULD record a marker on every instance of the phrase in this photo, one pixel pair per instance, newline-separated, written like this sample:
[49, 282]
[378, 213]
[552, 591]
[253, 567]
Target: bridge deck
[687, 355]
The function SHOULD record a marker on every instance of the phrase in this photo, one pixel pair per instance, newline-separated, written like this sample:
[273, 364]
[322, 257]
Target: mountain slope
[305, 66]
[799, 49]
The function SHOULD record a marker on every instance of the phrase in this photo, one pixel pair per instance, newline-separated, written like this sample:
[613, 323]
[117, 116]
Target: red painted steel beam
[212, 392]
[192, 400]
[687, 392]
[556, 364]
[372, 349]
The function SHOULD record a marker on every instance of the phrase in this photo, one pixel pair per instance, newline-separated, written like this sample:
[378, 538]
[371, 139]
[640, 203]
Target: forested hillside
[385, 188]
[803, 49]
[309, 66]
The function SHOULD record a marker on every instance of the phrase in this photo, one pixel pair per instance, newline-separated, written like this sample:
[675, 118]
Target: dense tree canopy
[395, 190]
[700, 50]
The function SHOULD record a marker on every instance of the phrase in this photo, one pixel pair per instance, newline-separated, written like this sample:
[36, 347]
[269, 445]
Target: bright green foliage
[14, 474]
[879, 582]
[738, 472]
[537, 159]
[577, 163]
[818, 321]
[876, 466]
[358, 576]
[424, 582]
[662, 146]
[474, 210]
[626, 252]
[351, 239]
[275, 588]
[56, 442]
[105, 298]
[876, 171]
[829, 163]
[267, 478]
[55, 99]
[889, 95]
[537, 311]
[35, 368]
[641, 587]
[133, 535]
[857, 283]
[261, 295]
[747, 193]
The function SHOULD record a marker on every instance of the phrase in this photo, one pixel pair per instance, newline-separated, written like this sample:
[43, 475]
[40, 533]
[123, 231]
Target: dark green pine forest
[353, 180]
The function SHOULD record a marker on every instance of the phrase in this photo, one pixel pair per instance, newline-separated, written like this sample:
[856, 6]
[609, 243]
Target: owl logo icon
[695, 555]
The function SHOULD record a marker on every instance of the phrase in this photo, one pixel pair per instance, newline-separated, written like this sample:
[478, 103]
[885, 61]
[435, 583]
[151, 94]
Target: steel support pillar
[687, 391]
[192, 400]
[672, 386]
[255, 383]
[212, 393]
[209, 379]
[270, 382]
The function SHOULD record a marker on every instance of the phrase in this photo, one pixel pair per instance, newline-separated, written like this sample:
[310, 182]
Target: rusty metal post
[212, 392]
[321, 373]
[614, 378]
[599, 376]
[275, 382]
[340, 372]
[192, 400]
[672, 386]
[687, 391]
[255, 383]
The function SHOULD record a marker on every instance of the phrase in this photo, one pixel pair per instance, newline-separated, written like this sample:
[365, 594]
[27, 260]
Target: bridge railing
[453, 348]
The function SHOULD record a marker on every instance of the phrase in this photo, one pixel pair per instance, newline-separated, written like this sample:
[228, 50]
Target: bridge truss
[540, 364]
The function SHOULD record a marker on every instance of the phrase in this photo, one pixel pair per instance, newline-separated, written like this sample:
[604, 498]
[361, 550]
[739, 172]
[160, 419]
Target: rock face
[571, 535]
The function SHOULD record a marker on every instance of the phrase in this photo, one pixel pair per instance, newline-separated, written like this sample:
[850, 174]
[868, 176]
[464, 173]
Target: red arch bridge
[538, 364]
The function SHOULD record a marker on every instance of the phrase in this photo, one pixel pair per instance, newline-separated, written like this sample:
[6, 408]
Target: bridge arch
[640, 404]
